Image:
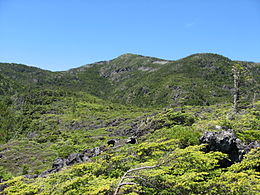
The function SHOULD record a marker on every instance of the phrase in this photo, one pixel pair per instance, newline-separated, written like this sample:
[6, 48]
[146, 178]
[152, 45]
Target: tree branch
[127, 183]
[121, 183]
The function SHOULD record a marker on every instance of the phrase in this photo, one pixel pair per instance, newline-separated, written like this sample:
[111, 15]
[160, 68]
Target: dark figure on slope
[131, 140]
[111, 142]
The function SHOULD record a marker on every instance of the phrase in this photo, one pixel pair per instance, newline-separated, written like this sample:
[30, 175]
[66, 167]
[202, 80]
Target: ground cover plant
[165, 106]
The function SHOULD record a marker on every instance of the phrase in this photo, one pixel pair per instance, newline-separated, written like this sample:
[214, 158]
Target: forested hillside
[199, 79]
[131, 125]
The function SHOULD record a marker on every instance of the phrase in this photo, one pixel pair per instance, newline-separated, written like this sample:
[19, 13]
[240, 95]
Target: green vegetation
[199, 79]
[168, 105]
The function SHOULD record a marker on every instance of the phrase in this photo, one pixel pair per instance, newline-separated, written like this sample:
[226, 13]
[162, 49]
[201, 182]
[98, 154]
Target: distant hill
[199, 79]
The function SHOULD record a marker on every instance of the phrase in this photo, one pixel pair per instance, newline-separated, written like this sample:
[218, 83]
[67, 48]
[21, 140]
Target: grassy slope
[62, 122]
[45, 115]
[168, 133]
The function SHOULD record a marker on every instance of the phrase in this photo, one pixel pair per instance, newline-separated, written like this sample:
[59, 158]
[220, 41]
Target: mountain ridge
[143, 80]
[121, 56]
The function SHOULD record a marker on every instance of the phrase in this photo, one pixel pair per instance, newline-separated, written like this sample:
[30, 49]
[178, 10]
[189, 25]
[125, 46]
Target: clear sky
[62, 34]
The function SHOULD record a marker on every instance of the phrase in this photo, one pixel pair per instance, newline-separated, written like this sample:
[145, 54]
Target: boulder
[31, 176]
[47, 172]
[94, 151]
[227, 142]
[58, 163]
[2, 187]
[74, 158]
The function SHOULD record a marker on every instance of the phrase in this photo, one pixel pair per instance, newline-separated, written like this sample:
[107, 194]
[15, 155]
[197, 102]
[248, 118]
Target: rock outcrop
[74, 158]
[227, 142]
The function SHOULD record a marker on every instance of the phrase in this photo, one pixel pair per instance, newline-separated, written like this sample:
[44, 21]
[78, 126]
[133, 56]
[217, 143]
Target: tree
[126, 176]
[237, 70]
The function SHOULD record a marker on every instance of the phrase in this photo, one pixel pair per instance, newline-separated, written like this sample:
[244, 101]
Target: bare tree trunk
[254, 99]
[236, 98]
[125, 176]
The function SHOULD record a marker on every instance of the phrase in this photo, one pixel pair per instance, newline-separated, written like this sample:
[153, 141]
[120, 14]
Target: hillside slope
[56, 128]
[168, 142]
[199, 79]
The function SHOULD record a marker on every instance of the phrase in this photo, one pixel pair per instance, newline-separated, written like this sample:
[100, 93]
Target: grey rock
[85, 158]
[97, 151]
[74, 158]
[47, 172]
[58, 163]
[226, 142]
[93, 152]
[2, 187]
[31, 176]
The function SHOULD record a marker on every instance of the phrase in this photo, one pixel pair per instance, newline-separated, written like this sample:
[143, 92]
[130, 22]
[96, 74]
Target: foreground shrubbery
[179, 171]
[44, 125]
[171, 148]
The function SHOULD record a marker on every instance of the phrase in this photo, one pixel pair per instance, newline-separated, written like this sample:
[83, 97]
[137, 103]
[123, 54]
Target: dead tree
[237, 70]
[127, 176]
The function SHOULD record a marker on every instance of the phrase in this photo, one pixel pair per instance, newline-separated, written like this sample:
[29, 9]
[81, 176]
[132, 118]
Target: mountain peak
[208, 55]
[127, 55]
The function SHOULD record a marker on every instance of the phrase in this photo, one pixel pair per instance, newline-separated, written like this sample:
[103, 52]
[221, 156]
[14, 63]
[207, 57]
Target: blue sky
[62, 34]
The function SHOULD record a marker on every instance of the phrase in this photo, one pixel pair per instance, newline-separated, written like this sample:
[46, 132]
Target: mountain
[131, 125]
[199, 79]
